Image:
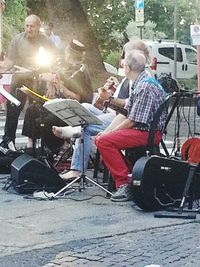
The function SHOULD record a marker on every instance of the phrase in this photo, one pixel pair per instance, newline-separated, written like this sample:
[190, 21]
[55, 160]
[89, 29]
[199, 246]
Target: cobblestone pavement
[95, 232]
[175, 246]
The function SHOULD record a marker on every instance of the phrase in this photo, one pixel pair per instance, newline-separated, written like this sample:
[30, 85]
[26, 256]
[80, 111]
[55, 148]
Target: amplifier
[29, 174]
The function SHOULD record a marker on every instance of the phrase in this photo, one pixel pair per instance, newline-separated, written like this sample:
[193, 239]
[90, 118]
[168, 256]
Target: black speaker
[29, 174]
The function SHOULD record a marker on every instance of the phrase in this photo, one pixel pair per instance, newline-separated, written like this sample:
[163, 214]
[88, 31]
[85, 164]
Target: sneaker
[12, 146]
[123, 193]
[8, 144]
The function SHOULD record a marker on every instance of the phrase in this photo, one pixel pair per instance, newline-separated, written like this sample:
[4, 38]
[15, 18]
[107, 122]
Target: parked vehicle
[162, 55]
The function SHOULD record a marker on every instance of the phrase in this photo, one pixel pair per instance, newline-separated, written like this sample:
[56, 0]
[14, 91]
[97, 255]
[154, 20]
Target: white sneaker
[11, 146]
[43, 195]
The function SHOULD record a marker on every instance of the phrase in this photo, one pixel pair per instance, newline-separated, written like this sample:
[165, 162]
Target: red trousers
[111, 145]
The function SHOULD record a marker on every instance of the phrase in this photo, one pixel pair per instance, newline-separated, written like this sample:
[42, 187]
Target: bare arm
[114, 124]
[118, 101]
[120, 122]
[125, 124]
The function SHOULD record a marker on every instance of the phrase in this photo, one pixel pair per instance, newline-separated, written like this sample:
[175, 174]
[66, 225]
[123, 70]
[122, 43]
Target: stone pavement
[87, 229]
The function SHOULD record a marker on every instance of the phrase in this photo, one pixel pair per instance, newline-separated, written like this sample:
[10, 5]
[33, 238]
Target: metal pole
[198, 66]
[141, 32]
[175, 39]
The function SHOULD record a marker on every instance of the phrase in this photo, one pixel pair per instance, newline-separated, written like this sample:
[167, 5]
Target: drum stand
[188, 191]
[82, 178]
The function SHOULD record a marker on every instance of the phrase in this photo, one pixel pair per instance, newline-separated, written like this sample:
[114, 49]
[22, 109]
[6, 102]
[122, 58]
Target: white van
[162, 55]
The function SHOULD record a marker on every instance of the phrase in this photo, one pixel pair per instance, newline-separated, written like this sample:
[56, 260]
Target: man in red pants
[131, 130]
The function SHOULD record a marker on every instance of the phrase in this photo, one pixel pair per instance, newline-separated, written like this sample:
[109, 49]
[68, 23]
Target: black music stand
[74, 114]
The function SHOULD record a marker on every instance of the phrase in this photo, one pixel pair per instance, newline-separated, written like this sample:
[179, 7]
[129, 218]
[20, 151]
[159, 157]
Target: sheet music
[71, 112]
[9, 96]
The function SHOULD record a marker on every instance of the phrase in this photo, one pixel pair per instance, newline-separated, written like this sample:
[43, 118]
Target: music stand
[74, 114]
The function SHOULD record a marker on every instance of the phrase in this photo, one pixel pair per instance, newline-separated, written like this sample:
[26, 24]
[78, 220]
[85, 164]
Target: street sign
[139, 13]
[195, 34]
[139, 17]
[139, 4]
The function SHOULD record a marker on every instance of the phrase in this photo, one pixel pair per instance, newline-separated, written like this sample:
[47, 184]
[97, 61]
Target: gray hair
[34, 18]
[136, 61]
[137, 43]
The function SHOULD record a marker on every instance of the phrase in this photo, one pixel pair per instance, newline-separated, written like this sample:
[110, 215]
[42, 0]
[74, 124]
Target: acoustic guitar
[106, 92]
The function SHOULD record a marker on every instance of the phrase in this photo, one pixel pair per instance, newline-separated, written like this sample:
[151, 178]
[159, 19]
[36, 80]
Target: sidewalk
[85, 231]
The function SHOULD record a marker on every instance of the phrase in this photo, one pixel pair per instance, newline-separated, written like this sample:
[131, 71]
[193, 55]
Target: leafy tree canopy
[109, 18]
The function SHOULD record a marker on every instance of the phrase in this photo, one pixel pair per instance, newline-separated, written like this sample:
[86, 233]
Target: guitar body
[105, 93]
[101, 99]
[159, 182]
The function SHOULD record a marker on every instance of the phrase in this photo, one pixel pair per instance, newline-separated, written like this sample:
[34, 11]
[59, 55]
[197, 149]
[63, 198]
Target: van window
[169, 52]
[191, 56]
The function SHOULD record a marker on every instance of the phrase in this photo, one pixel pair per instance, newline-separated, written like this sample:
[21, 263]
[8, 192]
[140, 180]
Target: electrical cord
[62, 197]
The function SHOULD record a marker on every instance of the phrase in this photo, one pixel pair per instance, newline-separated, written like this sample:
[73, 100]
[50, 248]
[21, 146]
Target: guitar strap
[154, 81]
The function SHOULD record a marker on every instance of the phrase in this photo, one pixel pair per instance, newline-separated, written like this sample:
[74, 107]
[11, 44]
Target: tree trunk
[69, 22]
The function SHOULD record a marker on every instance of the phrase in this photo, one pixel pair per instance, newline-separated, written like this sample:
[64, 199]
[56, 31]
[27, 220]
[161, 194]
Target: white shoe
[11, 146]
[43, 195]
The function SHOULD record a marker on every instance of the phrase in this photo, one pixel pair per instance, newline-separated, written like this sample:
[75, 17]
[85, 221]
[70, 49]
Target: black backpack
[169, 84]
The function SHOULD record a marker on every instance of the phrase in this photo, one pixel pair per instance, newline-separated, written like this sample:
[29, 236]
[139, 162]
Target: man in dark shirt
[22, 52]
[73, 81]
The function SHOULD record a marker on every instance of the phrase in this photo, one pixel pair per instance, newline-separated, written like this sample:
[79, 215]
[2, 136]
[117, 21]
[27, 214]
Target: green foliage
[162, 13]
[113, 58]
[13, 19]
[189, 84]
[110, 19]
[148, 32]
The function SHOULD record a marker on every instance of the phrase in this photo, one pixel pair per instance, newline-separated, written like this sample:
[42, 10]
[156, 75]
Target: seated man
[73, 81]
[89, 131]
[131, 130]
[121, 94]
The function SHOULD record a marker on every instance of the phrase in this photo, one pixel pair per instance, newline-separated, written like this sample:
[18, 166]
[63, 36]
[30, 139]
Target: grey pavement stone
[139, 256]
[94, 232]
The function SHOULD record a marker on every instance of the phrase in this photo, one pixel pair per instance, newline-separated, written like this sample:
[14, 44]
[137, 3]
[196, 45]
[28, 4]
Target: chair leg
[96, 166]
[106, 174]
[107, 178]
[111, 184]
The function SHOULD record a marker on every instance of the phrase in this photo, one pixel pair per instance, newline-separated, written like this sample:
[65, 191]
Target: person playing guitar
[106, 91]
